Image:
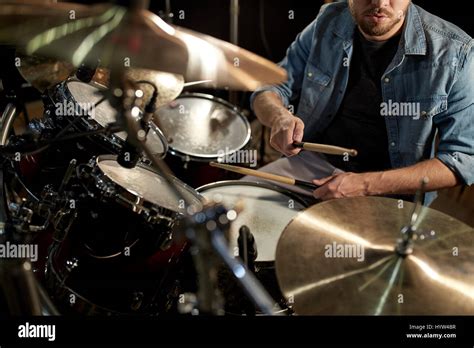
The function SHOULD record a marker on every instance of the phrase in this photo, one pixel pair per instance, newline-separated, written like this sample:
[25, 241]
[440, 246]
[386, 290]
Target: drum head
[104, 114]
[144, 183]
[203, 126]
[266, 210]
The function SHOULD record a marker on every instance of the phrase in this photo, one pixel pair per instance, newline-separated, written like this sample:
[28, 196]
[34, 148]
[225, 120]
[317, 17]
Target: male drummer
[383, 77]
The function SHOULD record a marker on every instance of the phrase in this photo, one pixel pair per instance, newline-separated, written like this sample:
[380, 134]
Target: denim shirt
[432, 72]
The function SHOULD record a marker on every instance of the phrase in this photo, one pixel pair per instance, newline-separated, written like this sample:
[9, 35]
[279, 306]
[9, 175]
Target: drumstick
[272, 177]
[328, 149]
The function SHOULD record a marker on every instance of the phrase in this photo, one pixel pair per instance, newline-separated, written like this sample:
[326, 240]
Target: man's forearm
[408, 180]
[267, 106]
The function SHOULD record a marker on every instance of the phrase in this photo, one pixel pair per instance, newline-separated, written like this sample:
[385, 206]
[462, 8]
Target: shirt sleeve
[456, 125]
[294, 63]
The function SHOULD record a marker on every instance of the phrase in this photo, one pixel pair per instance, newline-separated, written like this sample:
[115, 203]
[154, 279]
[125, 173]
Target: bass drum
[199, 129]
[115, 252]
[265, 210]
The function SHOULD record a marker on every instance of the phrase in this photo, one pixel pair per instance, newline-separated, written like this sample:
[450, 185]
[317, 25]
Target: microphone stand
[201, 226]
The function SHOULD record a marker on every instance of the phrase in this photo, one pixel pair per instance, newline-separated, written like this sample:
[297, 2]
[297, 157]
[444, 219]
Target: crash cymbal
[339, 258]
[169, 85]
[120, 38]
[43, 73]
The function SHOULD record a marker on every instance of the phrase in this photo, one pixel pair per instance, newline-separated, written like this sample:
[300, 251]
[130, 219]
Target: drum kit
[119, 234]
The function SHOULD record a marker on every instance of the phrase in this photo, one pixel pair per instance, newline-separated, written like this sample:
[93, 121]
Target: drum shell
[119, 256]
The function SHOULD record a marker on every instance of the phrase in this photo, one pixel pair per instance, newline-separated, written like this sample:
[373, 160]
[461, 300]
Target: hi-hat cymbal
[169, 85]
[132, 38]
[43, 73]
[339, 258]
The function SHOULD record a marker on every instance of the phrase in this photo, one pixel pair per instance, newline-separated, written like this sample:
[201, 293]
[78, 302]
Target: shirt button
[310, 74]
[393, 144]
[386, 80]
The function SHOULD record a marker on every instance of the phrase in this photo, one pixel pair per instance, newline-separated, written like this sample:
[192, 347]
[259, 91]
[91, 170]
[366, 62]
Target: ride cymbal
[339, 258]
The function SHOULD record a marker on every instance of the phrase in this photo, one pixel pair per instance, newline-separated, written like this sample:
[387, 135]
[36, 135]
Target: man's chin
[375, 30]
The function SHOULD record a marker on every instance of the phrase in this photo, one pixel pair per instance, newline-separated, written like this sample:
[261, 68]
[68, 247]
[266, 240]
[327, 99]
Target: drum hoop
[141, 204]
[62, 91]
[162, 138]
[260, 184]
[208, 158]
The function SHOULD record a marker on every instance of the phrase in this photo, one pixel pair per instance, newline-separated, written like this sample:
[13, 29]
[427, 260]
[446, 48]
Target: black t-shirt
[358, 123]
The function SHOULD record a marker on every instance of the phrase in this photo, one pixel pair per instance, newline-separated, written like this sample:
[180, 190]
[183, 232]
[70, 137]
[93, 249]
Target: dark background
[212, 17]
[264, 26]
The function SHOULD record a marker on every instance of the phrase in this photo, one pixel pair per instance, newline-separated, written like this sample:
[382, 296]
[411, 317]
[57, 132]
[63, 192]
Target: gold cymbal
[132, 38]
[339, 258]
[43, 73]
[169, 85]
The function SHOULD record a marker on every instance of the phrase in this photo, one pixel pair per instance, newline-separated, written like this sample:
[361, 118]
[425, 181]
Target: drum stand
[205, 228]
[23, 294]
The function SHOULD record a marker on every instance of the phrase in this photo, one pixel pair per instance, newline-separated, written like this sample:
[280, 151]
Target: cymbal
[43, 73]
[132, 38]
[339, 258]
[169, 85]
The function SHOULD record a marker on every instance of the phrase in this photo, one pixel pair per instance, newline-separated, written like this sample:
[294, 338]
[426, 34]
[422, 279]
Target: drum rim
[64, 91]
[109, 157]
[116, 139]
[154, 127]
[260, 184]
[211, 157]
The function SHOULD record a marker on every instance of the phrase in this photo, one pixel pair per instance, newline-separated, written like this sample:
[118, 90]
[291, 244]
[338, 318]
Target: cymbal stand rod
[6, 122]
[405, 244]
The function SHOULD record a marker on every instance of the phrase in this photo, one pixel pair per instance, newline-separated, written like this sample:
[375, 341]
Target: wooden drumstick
[272, 177]
[328, 149]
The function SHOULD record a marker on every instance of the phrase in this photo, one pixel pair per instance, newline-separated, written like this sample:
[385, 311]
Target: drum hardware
[181, 58]
[207, 239]
[209, 247]
[23, 294]
[6, 125]
[265, 210]
[120, 225]
[247, 247]
[248, 254]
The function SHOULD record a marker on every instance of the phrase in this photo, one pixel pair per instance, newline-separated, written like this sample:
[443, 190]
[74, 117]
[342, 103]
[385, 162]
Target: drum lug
[187, 159]
[62, 223]
[167, 241]
[72, 264]
[137, 300]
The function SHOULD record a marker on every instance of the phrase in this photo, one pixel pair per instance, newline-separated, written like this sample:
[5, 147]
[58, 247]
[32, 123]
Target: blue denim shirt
[432, 69]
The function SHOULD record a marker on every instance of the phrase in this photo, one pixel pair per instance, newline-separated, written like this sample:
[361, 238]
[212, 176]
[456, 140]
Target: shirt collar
[414, 39]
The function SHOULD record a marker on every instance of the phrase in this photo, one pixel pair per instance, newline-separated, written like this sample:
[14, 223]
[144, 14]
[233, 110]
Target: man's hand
[286, 129]
[342, 185]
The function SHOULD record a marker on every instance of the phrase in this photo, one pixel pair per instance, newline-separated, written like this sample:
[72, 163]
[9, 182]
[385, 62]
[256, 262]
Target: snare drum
[201, 128]
[118, 255]
[265, 210]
